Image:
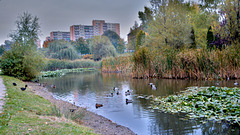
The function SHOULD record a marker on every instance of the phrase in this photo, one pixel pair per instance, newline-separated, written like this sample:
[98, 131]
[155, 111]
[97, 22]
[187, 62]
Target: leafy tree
[45, 43]
[23, 60]
[28, 28]
[208, 4]
[200, 20]
[132, 36]
[170, 26]
[101, 47]
[145, 16]
[121, 46]
[230, 25]
[7, 44]
[140, 39]
[61, 49]
[82, 46]
[210, 37]
[193, 42]
[2, 50]
[115, 39]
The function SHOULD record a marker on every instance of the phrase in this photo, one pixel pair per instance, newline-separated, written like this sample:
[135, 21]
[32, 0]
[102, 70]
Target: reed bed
[200, 64]
[121, 64]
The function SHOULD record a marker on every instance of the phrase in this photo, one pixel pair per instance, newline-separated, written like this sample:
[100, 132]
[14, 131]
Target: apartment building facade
[98, 28]
[84, 31]
[59, 35]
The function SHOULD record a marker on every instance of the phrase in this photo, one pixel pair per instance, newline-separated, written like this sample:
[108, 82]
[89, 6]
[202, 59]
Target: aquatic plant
[208, 103]
[62, 72]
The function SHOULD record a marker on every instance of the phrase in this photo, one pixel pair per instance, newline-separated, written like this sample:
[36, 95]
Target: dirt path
[100, 124]
[2, 94]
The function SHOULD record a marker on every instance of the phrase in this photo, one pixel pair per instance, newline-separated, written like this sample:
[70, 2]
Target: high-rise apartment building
[88, 31]
[112, 26]
[84, 31]
[59, 35]
[47, 38]
[98, 28]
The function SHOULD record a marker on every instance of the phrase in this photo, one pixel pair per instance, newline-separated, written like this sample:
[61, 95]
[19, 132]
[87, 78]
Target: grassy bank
[26, 113]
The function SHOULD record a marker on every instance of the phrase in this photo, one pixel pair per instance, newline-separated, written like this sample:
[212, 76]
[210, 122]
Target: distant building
[47, 38]
[59, 35]
[112, 26]
[97, 29]
[88, 31]
[100, 27]
[84, 31]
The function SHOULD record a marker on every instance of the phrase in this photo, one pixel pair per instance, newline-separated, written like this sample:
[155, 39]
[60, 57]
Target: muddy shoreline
[100, 124]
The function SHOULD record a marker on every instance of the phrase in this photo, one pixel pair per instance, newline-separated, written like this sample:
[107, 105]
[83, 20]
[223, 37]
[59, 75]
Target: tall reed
[122, 63]
[172, 63]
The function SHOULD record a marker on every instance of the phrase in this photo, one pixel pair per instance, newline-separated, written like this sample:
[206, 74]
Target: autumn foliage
[45, 44]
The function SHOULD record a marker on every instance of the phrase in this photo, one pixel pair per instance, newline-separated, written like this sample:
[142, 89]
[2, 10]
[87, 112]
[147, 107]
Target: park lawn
[27, 113]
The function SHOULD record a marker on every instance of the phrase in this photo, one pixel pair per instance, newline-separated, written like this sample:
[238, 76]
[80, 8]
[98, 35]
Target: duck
[53, 86]
[115, 88]
[128, 101]
[118, 93]
[150, 84]
[24, 88]
[236, 83]
[44, 84]
[98, 105]
[14, 84]
[127, 92]
[72, 110]
[153, 87]
[36, 81]
[110, 95]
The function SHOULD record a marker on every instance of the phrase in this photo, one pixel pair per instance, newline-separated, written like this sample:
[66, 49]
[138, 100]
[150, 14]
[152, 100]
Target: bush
[23, 62]
[54, 64]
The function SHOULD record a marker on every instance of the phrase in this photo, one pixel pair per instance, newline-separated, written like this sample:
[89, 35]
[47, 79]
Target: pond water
[88, 88]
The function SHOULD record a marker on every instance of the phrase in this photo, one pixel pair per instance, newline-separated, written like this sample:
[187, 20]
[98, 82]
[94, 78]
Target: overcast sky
[59, 15]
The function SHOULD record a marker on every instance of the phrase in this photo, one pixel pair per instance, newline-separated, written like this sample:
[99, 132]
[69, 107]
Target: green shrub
[54, 64]
[22, 61]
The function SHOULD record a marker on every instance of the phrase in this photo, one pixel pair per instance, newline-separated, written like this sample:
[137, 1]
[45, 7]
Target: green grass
[27, 113]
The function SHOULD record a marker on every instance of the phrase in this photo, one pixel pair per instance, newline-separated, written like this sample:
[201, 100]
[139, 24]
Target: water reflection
[88, 88]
